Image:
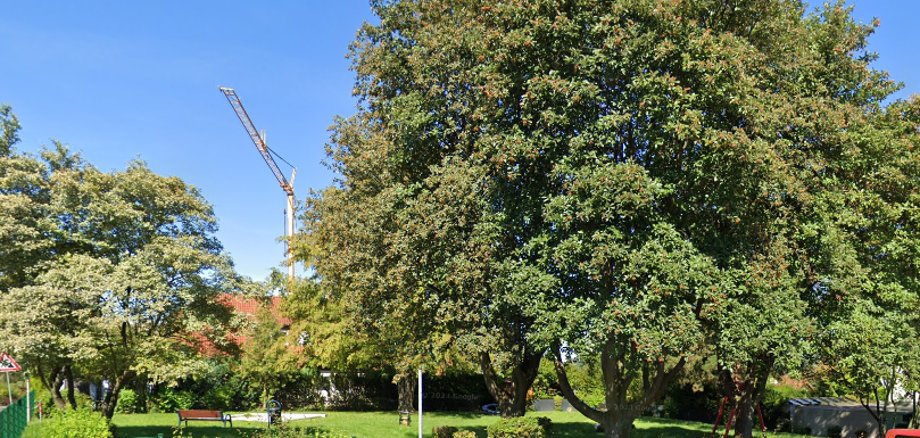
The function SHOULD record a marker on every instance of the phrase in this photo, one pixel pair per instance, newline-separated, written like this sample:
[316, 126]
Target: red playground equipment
[902, 433]
[729, 423]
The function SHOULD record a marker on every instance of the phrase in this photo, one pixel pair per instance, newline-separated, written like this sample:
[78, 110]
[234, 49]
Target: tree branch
[569, 394]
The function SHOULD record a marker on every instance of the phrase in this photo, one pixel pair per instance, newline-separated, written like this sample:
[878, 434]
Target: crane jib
[237, 105]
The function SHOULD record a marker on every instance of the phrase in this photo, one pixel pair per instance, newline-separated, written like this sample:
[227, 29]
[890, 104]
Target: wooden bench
[203, 415]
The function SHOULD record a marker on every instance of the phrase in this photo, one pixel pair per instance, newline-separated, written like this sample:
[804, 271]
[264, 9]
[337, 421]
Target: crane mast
[288, 187]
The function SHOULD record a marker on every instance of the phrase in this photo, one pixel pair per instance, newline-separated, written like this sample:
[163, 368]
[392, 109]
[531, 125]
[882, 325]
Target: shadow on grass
[669, 431]
[195, 431]
[461, 414]
[582, 429]
[560, 430]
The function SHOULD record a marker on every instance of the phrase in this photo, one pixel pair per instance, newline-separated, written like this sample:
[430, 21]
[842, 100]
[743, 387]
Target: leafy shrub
[776, 405]
[545, 423]
[226, 392]
[35, 429]
[43, 397]
[171, 400]
[81, 423]
[128, 402]
[520, 427]
[464, 434]
[285, 431]
[444, 432]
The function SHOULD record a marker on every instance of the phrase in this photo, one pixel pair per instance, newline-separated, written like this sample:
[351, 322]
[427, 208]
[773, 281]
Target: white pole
[28, 400]
[9, 388]
[420, 428]
[289, 235]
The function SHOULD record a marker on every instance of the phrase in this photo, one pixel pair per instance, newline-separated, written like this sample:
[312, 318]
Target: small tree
[265, 360]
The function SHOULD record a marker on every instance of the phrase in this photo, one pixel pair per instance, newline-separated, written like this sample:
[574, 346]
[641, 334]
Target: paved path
[286, 416]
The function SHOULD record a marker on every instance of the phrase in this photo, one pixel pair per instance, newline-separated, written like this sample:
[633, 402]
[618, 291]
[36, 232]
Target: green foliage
[464, 434]
[776, 404]
[585, 379]
[82, 423]
[128, 402]
[520, 427]
[643, 182]
[546, 385]
[111, 274]
[870, 346]
[224, 389]
[171, 400]
[266, 361]
[444, 432]
[285, 431]
[9, 130]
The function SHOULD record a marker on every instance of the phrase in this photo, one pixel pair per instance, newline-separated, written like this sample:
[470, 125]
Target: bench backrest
[199, 413]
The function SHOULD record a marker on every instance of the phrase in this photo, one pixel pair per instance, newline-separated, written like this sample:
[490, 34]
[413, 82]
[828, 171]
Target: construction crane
[288, 187]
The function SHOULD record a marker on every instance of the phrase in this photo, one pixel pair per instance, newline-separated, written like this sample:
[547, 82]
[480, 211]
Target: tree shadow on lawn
[561, 430]
[461, 414]
[579, 429]
[195, 431]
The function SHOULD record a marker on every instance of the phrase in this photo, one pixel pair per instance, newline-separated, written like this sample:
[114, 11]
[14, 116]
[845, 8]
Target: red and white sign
[7, 364]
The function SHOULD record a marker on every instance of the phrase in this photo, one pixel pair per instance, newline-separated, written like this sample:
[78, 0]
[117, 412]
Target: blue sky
[118, 80]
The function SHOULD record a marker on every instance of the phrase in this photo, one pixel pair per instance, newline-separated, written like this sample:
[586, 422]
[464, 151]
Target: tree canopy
[628, 180]
[113, 275]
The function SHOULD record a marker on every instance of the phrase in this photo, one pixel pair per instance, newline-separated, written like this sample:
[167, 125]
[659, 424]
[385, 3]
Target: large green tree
[872, 346]
[117, 276]
[626, 179]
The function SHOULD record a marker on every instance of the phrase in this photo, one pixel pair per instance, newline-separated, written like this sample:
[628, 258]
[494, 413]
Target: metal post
[289, 235]
[9, 388]
[28, 399]
[420, 432]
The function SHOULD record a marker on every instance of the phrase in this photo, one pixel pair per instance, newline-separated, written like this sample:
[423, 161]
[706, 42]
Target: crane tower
[288, 187]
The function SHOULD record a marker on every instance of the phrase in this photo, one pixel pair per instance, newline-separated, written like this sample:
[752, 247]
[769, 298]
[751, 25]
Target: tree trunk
[915, 419]
[745, 386]
[620, 427]
[406, 386]
[71, 387]
[617, 419]
[140, 387]
[511, 393]
[744, 417]
[56, 380]
[111, 398]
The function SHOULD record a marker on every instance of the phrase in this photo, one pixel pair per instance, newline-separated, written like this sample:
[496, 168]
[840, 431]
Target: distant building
[821, 416]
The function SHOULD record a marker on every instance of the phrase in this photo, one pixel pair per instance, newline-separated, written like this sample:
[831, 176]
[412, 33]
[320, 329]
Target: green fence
[13, 418]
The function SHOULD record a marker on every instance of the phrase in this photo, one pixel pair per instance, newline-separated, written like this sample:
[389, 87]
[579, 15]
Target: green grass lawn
[385, 425]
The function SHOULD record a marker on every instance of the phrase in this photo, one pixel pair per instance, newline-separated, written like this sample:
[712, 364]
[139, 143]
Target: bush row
[80, 423]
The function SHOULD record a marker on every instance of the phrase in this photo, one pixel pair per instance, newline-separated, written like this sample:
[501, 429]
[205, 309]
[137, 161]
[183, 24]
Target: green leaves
[632, 180]
[113, 274]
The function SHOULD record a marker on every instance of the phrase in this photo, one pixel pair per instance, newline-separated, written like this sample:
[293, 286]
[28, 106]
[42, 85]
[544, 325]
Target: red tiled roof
[242, 305]
[249, 306]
